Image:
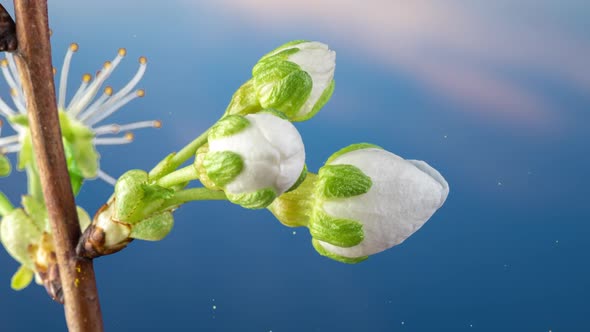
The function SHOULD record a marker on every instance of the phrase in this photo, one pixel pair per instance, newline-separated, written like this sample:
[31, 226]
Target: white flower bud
[296, 79]
[254, 158]
[369, 200]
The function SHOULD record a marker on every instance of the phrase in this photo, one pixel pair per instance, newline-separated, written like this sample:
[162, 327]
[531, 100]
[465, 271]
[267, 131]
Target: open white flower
[297, 79]
[253, 158]
[80, 118]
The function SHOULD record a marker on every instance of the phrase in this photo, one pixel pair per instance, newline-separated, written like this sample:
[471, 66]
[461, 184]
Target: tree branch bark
[82, 308]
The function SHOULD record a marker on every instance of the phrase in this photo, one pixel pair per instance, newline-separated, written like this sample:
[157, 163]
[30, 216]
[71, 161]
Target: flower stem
[193, 194]
[190, 149]
[179, 176]
[82, 308]
[5, 206]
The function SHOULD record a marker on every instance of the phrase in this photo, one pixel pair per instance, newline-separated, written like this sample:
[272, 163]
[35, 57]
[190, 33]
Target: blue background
[495, 95]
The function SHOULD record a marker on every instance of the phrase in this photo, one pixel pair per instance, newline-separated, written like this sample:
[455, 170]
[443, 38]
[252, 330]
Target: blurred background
[494, 94]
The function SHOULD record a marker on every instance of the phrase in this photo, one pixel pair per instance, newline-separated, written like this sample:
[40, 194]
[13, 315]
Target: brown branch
[82, 307]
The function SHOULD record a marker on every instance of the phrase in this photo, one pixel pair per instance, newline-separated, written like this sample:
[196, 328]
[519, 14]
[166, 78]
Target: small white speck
[500, 183]
[470, 325]
[214, 307]
[403, 323]
[445, 136]
[294, 232]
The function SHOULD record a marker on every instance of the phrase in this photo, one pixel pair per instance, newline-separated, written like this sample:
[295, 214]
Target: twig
[82, 307]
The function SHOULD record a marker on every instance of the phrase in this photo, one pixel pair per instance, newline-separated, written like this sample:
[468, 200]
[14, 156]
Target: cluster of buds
[362, 201]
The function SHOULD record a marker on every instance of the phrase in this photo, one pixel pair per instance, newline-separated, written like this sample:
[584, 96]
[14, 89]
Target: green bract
[5, 166]
[296, 79]
[252, 158]
[136, 199]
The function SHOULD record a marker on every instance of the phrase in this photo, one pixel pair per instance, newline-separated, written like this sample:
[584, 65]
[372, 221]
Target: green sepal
[76, 176]
[5, 166]
[281, 85]
[342, 181]
[36, 211]
[253, 200]
[350, 148]
[21, 278]
[19, 119]
[222, 167]
[300, 179]
[163, 167]
[348, 260]
[153, 228]
[25, 154]
[276, 113]
[285, 46]
[129, 195]
[293, 208]
[82, 150]
[340, 232]
[136, 199]
[229, 125]
[244, 101]
[324, 98]
[18, 232]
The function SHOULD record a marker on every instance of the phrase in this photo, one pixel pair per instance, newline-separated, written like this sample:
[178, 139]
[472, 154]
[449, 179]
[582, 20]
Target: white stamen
[94, 87]
[8, 75]
[63, 80]
[105, 177]
[8, 139]
[110, 109]
[10, 149]
[128, 138]
[6, 111]
[17, 101]
[85, 115]
[131, 85]
[115, 128]
[13, 70]
[85, 81]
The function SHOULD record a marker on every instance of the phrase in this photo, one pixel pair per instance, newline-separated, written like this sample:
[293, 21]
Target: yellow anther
[13, 92]
[4, 63]
[140, 92]
[50, 32]
[157, 124]
[86, 78]
[108, 90]
[106, 65]
[74, 47]
[142, 60]
[54, 70]
[122, 52]
[129, 136]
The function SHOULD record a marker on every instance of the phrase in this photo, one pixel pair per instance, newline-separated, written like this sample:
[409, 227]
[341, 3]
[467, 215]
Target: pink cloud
[459, 49]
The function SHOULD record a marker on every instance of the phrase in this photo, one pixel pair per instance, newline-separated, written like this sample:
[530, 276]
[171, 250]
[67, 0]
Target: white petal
[319, 62]
[402, 198]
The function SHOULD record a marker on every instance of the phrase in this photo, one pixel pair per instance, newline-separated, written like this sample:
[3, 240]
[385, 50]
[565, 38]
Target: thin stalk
[193, 194]
[81, 307]
[5, 206]
[183, 175]
[190, 149]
